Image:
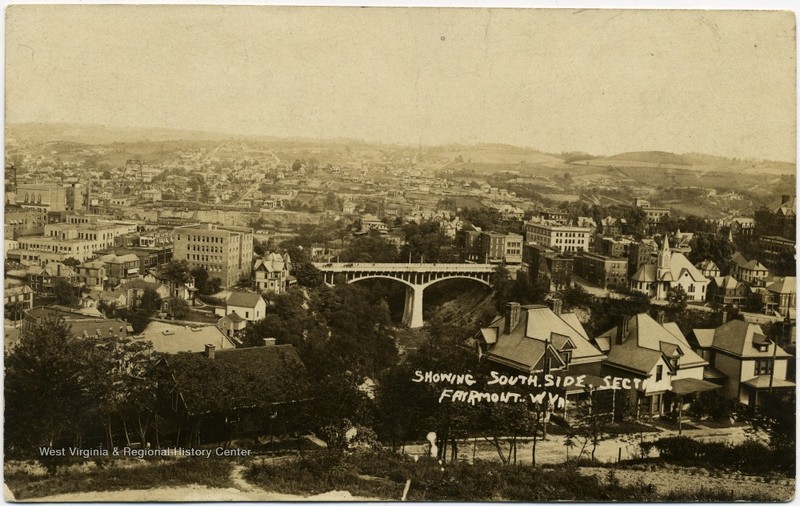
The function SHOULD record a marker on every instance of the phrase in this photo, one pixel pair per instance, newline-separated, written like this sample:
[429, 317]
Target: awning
[691, 386]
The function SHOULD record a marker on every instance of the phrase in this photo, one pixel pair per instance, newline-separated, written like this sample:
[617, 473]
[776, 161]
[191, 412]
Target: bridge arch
[416, 277]
[413, 307]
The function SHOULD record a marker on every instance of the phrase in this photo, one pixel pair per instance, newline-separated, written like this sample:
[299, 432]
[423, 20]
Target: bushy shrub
[680, 448]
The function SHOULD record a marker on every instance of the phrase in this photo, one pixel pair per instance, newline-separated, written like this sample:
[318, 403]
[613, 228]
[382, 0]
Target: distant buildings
[654, 214]
[602, 271]
[564, 238]
[779, 221]
[225, 252]
[548, 267]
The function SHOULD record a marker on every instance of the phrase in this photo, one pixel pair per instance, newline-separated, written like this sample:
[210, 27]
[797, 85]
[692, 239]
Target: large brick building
[226, 252]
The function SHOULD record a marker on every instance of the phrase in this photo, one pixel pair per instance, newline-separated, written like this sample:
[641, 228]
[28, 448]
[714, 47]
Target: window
[763, 367]
[659, 372]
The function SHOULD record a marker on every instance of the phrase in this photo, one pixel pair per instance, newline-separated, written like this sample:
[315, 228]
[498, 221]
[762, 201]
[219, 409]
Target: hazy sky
[556, 80]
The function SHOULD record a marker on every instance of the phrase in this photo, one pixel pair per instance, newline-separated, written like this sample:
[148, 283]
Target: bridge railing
[398, 267]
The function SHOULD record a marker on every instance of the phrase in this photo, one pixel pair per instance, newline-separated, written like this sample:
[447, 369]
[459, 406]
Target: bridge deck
[398, 267]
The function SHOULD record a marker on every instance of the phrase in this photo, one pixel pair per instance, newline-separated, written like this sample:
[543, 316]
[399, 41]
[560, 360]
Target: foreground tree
[47, 384]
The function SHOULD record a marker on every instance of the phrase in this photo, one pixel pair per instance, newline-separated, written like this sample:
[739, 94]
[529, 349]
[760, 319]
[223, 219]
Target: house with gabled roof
[672, 269]
[749, 363]
[217, 394]
[134, 290]
[272, 273]
[708, 268]
[248, 305]
[232, 324]
[751, 272]
[534, 338]
[656, 353]
[727, 291]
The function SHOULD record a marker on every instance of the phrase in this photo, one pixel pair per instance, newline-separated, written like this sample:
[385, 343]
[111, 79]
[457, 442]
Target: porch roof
[762, 382]
[692, 385]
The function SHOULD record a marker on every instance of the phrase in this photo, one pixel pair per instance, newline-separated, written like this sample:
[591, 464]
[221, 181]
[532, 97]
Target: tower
[664, 257]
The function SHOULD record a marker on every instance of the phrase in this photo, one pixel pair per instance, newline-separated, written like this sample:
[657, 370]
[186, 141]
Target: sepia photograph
[465, 254]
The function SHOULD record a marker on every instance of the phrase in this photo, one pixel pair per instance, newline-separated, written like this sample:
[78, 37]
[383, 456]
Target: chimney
[557, 306]
[724, 316]
[269, 341]
[210, 349]
[622, 330]
[512, 316]
[785, 199]
[660, 317]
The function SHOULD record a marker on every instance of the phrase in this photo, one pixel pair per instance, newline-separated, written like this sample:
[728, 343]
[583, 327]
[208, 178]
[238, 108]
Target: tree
[369, 248]
[712, 247]
[178, 308]
[138, 319]
[576, 296]
[64, 292]
[200, 275]
[71, 262]
[46, 385]
[591, 426]
[259, 248]
[175, 271]
[677, 298]
[775, 417]
[150, 300]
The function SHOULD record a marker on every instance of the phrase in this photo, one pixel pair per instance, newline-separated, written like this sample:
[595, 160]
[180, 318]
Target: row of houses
[735, 359]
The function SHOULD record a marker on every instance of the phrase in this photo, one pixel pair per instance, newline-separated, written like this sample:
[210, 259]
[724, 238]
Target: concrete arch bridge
[416, 277]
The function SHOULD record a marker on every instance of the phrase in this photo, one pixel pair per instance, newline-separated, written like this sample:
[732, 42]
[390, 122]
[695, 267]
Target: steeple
[664, 257]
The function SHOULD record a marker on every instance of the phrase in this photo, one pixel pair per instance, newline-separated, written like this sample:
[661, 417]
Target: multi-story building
[750, 363]
[613, 247]
[42, 279]
[726, 291]
[495, 247]
[226, 252]
[272, 273]
[565, 238]
[121, 268]
[513, 249]
[654, 214]
[91, 274]
[19, 222]
[548, 267]
[602, 271]
[641, 253]
[42, 196]
[66, 240]
[751, 272]
[779, 253]
[610, 226]
[467, 242]
[708, 268]
[656, 351]
[780, 221]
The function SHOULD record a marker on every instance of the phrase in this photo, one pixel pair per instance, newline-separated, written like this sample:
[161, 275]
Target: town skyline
[720, 83]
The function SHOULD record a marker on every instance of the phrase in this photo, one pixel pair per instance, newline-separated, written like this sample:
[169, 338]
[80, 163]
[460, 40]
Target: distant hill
[39, 133]
[654, 157]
